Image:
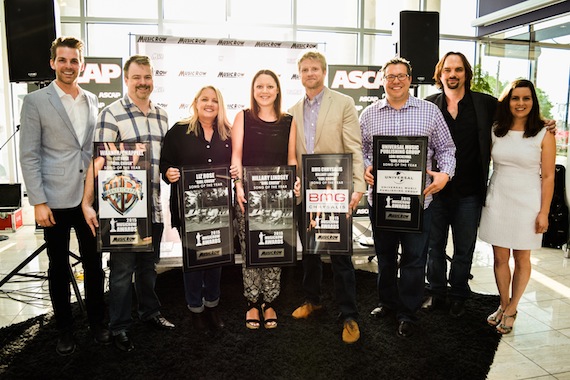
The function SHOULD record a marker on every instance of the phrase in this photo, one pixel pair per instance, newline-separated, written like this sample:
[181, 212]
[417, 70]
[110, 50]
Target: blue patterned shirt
[311, 110]
[416, 118]
[123, 121]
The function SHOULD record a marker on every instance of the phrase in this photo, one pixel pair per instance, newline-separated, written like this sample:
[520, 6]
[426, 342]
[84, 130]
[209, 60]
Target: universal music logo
[399, 177]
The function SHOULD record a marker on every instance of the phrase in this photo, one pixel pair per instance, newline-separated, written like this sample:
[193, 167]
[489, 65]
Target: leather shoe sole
[380, 312]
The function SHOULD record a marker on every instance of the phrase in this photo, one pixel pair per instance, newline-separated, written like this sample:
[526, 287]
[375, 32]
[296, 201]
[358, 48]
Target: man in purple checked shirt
[401, 114]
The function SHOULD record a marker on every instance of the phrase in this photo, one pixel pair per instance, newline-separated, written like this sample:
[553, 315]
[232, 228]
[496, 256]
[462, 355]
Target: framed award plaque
[271, 235]
[400, 176]
[123, 196]
[327, 189]
[205, 203]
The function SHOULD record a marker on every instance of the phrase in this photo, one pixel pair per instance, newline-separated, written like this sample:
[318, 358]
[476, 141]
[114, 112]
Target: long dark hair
[276, 104]
[504, 117]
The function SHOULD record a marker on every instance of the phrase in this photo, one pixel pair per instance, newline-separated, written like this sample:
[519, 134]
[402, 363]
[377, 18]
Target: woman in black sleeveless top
[261, 136]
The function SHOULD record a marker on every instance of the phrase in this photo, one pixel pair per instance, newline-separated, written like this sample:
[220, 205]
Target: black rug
[443, 348]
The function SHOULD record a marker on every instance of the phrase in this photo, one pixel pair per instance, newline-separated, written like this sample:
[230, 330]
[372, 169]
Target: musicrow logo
[230, 74]
[152, 39]
[193, 73]
[400, 216]
[327, 237]
[303, 46]
[270, 253]
[206, 254]
[192, 41]
[124, 239]
[268, 44]
[160, 73]
[231, 43]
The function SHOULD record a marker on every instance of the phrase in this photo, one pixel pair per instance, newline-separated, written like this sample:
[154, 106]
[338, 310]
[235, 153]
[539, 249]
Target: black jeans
[57, 238]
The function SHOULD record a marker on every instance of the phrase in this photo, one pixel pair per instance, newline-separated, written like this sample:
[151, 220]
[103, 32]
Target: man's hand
[43, 215]
[438, 183]
[368, 177]
[550, 126]
[354, 200]
[90, 217]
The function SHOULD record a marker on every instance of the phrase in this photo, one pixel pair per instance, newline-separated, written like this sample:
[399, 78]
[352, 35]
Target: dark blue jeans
[123, 265]
[463, 215]
[202, 288]
[405, 295]
[343, 276]
[57, 239]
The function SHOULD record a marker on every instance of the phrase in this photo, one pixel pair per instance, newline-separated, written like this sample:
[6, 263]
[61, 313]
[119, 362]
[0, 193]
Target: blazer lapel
[58, 105]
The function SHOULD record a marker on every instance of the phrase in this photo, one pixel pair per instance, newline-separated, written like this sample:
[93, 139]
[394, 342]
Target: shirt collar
[411, 102]
[62, 93]
[130, 104]
[317, 98]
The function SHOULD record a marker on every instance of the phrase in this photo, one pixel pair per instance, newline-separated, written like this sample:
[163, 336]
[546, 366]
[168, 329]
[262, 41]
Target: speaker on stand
[31, 27]
[419, 43]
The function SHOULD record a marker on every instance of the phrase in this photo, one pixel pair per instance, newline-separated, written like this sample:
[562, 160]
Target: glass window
[504, 63]
[260, 11]
[220, 30]
[71, 29]
[122, 8]
[211, 10]
[339, 48]
[382, 15]
[337, 13]
[378, 49]
[465, 47]
[69, 8]
[113, 40]
[455, 17]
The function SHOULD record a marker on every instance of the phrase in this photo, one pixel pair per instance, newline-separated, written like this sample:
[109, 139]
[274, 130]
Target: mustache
[145, 87]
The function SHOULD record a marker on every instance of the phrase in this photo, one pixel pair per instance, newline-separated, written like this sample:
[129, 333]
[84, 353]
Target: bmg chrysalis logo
[122, 192]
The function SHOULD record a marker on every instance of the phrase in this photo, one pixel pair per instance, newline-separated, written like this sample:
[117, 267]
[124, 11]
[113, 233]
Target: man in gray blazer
[55, 148]
[327, 122]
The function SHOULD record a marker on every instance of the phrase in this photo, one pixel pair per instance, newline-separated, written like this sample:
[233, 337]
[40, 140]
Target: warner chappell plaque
[327, 189]
[271, 238]
[207, 235]
[400, 175]
[123, 196]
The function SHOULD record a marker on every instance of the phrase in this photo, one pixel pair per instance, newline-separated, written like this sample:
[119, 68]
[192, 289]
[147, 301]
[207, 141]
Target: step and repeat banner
[184, 65]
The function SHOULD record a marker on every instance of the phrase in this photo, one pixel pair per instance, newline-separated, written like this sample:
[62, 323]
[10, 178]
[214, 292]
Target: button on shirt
[77, 110]
[416, 118]
[311, 110]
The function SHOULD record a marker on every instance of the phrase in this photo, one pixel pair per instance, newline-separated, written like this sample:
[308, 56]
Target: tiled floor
[538, 348]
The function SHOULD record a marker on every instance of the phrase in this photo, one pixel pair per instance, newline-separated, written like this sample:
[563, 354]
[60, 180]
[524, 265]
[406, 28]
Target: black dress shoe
[65, 343]
[457, 309]
[214, 318]
[161, 323]
[122, 342]
[199, 321]
[101, 334]
[406, 329]
[380, 312]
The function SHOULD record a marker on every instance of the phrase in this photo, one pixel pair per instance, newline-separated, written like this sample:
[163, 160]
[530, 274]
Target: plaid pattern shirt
[416, 118]
[122, 121]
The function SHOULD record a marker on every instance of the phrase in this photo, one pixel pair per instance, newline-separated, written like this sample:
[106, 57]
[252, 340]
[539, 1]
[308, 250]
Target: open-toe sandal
[495, 318]
[269, 323]
[253, 323]
[502, 328]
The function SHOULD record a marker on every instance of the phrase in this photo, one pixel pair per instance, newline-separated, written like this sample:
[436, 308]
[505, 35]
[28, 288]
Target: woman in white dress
[518, 198]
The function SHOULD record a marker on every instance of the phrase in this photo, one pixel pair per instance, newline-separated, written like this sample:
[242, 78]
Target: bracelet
[238, 179]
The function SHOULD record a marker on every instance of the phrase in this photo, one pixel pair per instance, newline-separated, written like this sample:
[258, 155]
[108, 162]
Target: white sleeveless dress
[514, 192]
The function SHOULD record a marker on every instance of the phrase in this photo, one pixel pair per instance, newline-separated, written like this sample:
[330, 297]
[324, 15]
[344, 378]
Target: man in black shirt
[469, 116]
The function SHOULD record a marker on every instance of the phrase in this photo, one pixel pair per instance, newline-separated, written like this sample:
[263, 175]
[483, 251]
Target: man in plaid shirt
[401, 114]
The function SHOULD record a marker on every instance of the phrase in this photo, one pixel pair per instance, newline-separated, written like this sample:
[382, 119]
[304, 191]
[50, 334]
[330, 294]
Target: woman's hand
[172, 174]
[240, 196]
[297, 187]
[234, 172]
[541, 223]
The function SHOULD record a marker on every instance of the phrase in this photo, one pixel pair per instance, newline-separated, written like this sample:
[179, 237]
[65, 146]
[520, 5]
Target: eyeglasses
[401, 77]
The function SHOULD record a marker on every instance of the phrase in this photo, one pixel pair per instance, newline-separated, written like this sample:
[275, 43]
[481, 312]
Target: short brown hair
[70, 42]
[142, 60]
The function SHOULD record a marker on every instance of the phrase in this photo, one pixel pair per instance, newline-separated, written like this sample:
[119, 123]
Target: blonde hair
[222, 123]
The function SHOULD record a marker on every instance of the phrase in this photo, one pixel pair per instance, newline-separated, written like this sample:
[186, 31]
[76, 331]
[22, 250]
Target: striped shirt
[123, 121]
[416, 118]
[311, 110]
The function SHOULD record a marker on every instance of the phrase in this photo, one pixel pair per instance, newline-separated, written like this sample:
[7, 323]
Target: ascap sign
[103, 77]
[361, 83]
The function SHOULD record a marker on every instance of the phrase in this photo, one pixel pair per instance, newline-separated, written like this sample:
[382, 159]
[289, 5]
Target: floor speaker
[419, 43]
[30, 29]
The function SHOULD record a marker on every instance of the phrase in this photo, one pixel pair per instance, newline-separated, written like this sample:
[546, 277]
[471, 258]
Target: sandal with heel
[495, 318]
[269, 323]
[253, 323]
[502, 328]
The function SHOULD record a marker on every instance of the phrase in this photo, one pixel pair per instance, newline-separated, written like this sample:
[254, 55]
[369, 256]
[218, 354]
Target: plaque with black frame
[327, 190]
[400, 175]
[271, 234]
[206, 212]
[123, 196]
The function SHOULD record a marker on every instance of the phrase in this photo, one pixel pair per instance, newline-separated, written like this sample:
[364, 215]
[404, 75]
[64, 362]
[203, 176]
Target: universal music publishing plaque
[400, 175]
[327, 189]
[271, 238]
[123, 196]
[207, 235]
